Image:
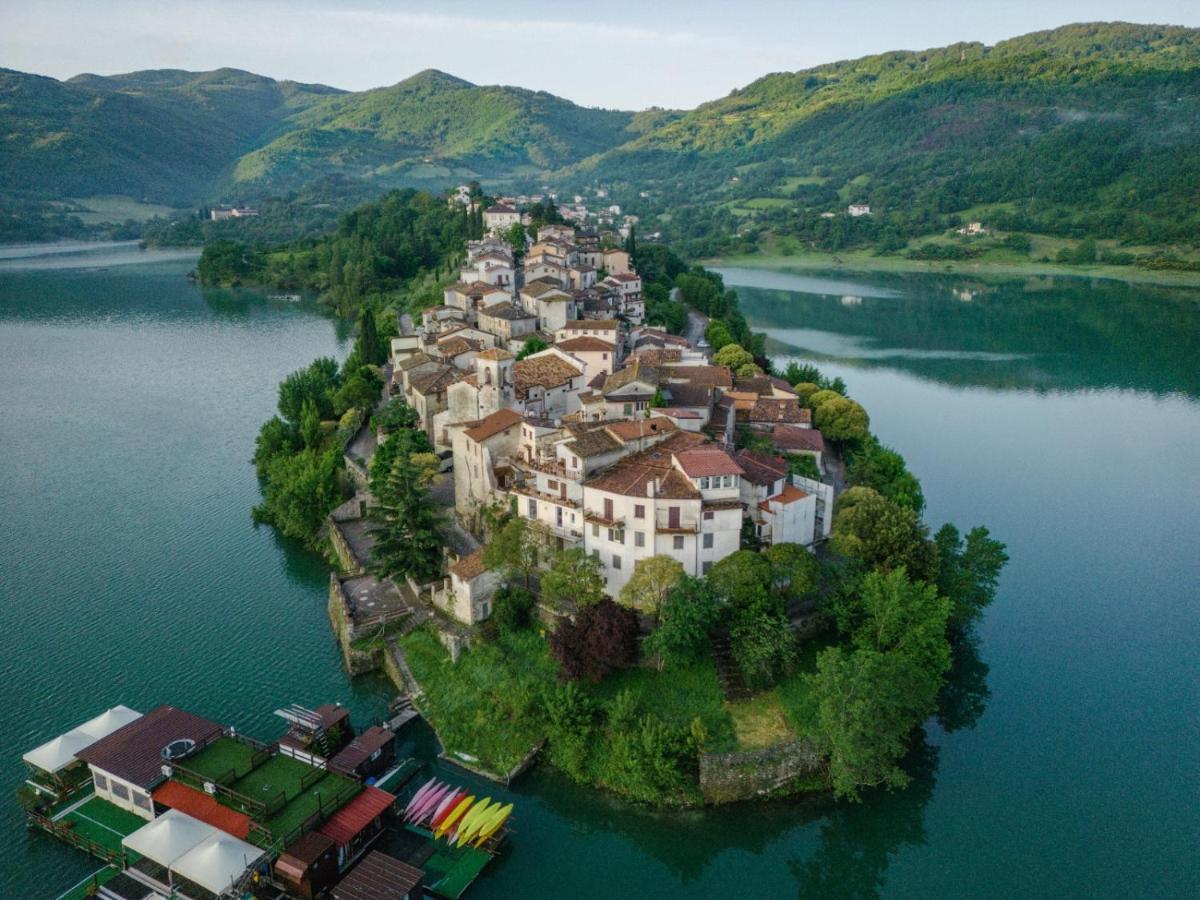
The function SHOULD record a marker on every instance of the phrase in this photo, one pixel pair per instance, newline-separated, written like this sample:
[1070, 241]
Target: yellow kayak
[470, 822]
[455, 814]
[493, 823]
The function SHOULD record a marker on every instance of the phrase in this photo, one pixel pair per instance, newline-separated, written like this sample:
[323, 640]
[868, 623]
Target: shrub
[601, 638]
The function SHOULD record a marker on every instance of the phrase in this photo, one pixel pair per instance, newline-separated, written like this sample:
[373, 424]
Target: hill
[1089, 129]
[189, 137]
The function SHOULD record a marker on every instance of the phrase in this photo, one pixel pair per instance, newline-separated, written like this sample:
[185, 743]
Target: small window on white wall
[143, 801]
[101, 782]
[120, 791]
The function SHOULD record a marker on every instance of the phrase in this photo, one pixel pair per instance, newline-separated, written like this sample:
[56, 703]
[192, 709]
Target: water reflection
[1033, 333]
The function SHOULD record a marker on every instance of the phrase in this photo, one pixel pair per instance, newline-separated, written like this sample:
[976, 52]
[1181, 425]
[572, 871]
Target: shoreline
[863, 262]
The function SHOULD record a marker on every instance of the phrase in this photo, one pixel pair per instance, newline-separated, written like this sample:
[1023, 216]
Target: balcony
[684, 525]
[527, 491]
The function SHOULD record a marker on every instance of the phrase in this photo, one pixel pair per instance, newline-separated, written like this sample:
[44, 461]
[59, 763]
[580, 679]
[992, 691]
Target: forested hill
[1094, 127]
[164, 135]
[193, 137]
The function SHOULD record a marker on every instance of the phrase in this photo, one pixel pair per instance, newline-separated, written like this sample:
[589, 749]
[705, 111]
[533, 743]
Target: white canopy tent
[194, 850]
[216, 863]
[55, 755]
[169, 837]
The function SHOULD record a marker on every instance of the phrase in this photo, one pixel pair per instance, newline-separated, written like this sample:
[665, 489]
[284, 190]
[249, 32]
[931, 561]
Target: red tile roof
[761, 468]
[585, 342]
[793, 437]
[493, 425]
[704, 461]
[585, 324]
[469, 566]
[199, 805]
[776, 409]
[639, 428]
[356, 815]
[789, 494]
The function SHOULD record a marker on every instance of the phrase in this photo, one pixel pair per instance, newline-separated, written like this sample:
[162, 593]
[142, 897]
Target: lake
[1064, 415]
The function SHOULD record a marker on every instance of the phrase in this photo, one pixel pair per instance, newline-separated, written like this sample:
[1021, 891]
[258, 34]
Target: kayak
[431, 801]
[437, 808]
[420, 795]
[469, 824]
[493, 824]
[456, 812]
[419, 806]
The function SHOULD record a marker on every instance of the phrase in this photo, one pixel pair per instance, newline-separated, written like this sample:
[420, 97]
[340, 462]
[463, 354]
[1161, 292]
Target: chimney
[651, 488]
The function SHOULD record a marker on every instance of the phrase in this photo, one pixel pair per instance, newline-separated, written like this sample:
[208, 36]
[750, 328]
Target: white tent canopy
[169, 837]
[194, 850]
[55, 755]
[216, 863]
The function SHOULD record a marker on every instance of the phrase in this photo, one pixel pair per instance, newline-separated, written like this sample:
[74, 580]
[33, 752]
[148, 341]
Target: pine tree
[310, 424]
[407, 542]
[631, 245]
[370, 349]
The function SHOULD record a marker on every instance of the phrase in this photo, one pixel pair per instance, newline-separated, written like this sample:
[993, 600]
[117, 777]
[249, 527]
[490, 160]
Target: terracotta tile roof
[435, 382]
[469, 566]
[761, 468]
[635, 371]
[506, 310]
[597, 381]
[675, 412]
[538, 289]
[199, 805]
[631, 475]
[455, 346]
[586, 343]
[499, 208]
[417, 359]
[693, 396]
[593, 443]
[379, 877]
[133, 752]
[546, 371]
[655, 356]
[754, 384]
[780, 384]
[495, 353]
[794, 438]
[493, 425]
[368, 805]
[709, 376]
[789, 494]
[776, 410]
[703, 461]
[635, 429]
[625, 276]
[584, 324]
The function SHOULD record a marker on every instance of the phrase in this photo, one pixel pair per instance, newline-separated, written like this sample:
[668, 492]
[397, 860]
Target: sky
[614, 53]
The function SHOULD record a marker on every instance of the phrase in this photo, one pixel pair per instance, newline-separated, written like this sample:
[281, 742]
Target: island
[579, 516]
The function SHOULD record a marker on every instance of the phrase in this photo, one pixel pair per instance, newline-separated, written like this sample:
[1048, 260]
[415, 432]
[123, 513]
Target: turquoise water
[1064, 415]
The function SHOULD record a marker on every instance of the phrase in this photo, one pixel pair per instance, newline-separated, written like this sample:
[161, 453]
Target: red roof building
[358, 816]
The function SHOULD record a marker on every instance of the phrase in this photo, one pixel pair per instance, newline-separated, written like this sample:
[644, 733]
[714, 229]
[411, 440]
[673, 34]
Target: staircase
[729, 676]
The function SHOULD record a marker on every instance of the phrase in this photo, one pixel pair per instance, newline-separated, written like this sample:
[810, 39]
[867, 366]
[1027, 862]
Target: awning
[55, 755]
[169, 837]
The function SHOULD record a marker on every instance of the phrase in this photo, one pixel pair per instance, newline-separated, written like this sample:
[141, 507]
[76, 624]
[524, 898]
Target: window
[608, 510]
[119, 790]
[708, 541]
[704, 568]
[101, 782]
[574, 462]
[595, 554]
[704, 483]
[595, 530]
[629, 409]
[639, 511]
[532, 508]
[639, 539]
[678, 542]
[140, 799]
[552, 485]
[616, 561]
[708, 515]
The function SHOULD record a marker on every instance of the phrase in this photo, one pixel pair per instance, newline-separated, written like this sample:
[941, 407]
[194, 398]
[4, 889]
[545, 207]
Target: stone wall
[774, 770]
[357, 661]
[341, 548]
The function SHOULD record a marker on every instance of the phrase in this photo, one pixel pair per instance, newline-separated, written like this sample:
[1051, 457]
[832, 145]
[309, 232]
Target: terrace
[93, 825]
[222, 762]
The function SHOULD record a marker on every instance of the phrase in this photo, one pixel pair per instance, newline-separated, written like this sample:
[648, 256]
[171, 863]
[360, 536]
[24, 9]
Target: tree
[762, 643]
[317, 382]
[883, 469]
[574, 576]
[796, 373]
[516, 550]
[804, 390]
[515, 236]
[275, 438]
[742, 578]
[360, 391]
[310, 424]
[842, 420]
[602, 637]
[685, 619]
[651, 583]
[298, 492]
[408, 543]
[816, 398]
[795, 572]
[370, 348]
[718, 336]
[396, 414]
[406, 443]
[749, 370]
[883, 535]
[531, 346]
[658, 401]
[734, 356]
[968, 572]
[631, 245]
[512, 609]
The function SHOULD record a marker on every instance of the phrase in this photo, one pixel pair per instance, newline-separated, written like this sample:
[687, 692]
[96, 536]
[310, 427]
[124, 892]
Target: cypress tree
[407, 542]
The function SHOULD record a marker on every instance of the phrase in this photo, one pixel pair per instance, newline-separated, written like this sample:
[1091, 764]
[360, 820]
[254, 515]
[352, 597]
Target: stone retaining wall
[341, 548]
[357, 661]
[750, 774]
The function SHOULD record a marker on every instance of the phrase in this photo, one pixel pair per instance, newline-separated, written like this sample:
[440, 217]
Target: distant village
[618, 438]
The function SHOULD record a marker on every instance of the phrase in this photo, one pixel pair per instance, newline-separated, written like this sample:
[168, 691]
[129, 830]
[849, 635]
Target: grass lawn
[224, 761]
[795, 696]
[278, 775]
[103, 822]
[483, 706]
[760, 721]
[327, 795]
[676, 695]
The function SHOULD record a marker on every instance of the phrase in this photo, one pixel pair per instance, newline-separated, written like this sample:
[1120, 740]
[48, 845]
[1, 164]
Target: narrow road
[696, 322]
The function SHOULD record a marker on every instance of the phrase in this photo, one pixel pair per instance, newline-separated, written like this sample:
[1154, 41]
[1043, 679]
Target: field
[116, 208]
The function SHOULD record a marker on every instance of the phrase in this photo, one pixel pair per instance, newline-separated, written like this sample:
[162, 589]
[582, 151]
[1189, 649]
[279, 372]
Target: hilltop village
[614, 437]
